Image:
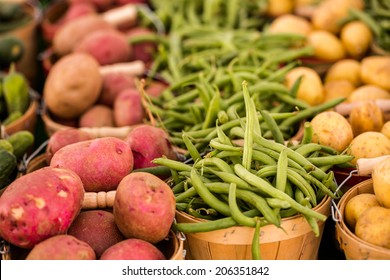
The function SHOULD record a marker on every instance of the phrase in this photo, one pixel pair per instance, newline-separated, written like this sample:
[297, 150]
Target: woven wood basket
[296, 242]
[172, 246]
[355, 248]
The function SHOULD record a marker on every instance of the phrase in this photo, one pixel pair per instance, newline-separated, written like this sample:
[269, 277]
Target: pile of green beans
[246, 179]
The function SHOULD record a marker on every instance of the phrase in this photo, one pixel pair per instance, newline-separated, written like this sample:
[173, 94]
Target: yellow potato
[366, 117]
[338, 88]
[375, 70]
[332, 129]
[344, 69]
[290, 23]
[327, 46]
[381, 182]
[277, 8]
[369, 144]
[356, 205]
[373, 226]
[310, 89]
[368, 92]
[356, 38]
[386, 129]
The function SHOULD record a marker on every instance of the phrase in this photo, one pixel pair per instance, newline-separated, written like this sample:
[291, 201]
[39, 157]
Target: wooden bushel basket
[296, 242]
[172, 247]
[355, 248]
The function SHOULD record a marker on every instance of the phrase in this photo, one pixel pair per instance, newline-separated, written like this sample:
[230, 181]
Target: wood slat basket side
[172, 246]
[295, 242]
[355, 248]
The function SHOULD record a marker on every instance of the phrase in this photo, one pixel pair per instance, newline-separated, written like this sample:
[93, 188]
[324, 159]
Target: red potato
[128, 109]
[97, 228]
[39, 205]
[101, 5]
[98, 115]
[143, 51]
[144, 207]
[133, 249]
[155, 88]
[147, 143]
[113, 84]
[101, 163]
[107, 46]
[64, 137]
[62, 247]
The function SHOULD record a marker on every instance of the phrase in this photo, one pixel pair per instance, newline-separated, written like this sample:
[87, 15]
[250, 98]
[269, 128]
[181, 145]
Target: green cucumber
[8, 165]
[21, 141]
[11, 50]
[16, 92]
[6, 145]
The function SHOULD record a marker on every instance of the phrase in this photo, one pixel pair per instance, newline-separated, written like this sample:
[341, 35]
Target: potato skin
[375, 70]
[98, 115]
[113, 84]
[39, 205]
[367, 116]
[72, 85]
[133, 249]
[144, 207]
[128, 109]
[62, 247]
[97, 228]
[356, 206]
[101, 163]
[381, 182]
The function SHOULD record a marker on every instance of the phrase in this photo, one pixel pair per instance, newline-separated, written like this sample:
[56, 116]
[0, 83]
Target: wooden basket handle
[346, 108]
[98, 200]
[123, 14]
[365, 165]
[132, 68]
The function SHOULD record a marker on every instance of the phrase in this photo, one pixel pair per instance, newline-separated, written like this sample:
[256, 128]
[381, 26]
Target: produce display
[234, 113]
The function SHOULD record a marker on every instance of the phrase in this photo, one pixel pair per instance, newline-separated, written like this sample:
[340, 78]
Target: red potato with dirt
[128, 108]
[64, 137]
[147, 143]
[133, 249]
[107, 46]
[62, 247]
[98, 115]
[39, 205]
[97, 228]
[101, 163]
[144, 207]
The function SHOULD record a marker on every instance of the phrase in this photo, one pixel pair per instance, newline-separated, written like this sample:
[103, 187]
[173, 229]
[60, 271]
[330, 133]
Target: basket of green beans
[251, 197]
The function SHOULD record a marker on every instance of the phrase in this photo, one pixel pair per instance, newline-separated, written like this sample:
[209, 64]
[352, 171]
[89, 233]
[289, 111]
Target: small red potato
[101, 163]
[133, 249]
[107, 46]
[39, 205]
[62, 247]
[101, 5]
[113, 84]
[143, 50]
[155, 88]
[144, 207]
[98, 115]
[128, 109]
[97, 228]
[64, 137]
[147, 143]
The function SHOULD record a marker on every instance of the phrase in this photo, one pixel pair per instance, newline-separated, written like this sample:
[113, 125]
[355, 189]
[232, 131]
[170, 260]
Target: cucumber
[21, 142]
[11, 50]
[8, 165]
[16, 92]
[6, 145]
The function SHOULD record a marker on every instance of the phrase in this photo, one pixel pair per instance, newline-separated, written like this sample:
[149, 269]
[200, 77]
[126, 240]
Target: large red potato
[63, 137]
[128, 109]
[147, 143]
[107, 46]
[144, 207]
[101, 163]
[97, 228]
[62, 247]
[133, 249]
[39, 205]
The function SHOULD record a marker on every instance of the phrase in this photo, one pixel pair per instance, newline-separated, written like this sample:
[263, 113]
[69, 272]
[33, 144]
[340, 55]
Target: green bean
[215, 161]
[207, 196]
[173, 164]
[222, 223]
[273, 126]
[222, 137]
[214, 143]
[266, 187]
[236, 213]
[194, 153]
[281, 175]
[307, 133]
[178, 188]
[256, 254]
[232, 178]
[330, 160]
[190, 192]
[277, 203]
[222, 117]
[306, 149]
[249, 127]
